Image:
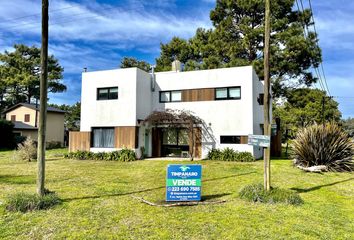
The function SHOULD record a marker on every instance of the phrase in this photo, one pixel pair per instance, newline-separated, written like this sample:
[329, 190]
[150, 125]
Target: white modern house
[114, 104]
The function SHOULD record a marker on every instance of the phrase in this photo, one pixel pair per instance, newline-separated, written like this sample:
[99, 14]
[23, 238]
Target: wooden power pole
[266, 94]
[43, 100]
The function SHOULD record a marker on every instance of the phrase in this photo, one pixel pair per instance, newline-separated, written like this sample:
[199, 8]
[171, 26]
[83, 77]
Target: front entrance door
[147, 142]
[175, 142]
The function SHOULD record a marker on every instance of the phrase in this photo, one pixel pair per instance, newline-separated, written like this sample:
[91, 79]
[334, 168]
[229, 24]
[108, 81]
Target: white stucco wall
[120, 112]
[136, 101]
[222, 117]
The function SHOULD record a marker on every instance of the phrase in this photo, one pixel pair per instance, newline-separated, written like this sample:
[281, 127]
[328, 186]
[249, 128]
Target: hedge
[229, 154]
[124, 155]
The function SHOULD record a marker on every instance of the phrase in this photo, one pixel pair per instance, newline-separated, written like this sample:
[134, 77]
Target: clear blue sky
[97, 33]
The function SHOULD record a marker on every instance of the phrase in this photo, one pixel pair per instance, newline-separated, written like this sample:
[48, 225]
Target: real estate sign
[259, 140]
[184, 182]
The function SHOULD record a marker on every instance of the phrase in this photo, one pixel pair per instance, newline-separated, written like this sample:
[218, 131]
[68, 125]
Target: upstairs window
[27, 117]
[227, 93]
[107, 93]
[170, 96]
[13, 118]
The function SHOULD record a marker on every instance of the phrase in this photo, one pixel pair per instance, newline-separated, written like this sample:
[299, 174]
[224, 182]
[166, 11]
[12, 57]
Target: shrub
[7, 139]
[324, 145]
[256, 193]
[53, 145]
[229, 154]
[123, 155]
[24, 202]
[26, 150]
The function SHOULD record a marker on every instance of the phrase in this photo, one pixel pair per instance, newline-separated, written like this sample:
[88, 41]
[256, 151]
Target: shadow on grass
[213, 196]
[304, 190]
[14, 179]
[156, 188]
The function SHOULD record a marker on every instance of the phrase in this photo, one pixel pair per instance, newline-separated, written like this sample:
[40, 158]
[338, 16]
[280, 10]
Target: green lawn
[98, 202]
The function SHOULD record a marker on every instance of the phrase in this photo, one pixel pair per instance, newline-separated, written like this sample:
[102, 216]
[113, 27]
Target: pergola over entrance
[176, 119]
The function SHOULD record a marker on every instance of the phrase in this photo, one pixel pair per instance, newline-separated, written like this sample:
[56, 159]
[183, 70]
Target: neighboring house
[26, 117]
[114, 104]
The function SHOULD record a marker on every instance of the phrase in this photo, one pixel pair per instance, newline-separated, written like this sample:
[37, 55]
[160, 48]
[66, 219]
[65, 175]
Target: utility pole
[43, 101]
[266, 94]
[323, 108]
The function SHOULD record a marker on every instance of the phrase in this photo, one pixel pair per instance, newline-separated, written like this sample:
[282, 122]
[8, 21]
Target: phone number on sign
[183, 189]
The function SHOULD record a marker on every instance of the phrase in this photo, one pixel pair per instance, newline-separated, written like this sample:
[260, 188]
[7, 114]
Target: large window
[107, 93]
[103, 137]
[228, 93]
[170, 96]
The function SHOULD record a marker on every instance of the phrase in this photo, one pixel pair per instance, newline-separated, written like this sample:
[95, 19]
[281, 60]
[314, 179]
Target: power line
[314, 27]
[19, 26]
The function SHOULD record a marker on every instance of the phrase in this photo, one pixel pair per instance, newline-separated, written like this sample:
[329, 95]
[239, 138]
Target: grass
[97, 202]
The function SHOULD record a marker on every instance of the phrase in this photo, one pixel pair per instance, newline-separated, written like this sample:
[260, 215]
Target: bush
[53, 145]
[124, 155]
[229, 154]
[7, 139]
[324, 145]
[26, 151]
[24, 202]
[256, 193]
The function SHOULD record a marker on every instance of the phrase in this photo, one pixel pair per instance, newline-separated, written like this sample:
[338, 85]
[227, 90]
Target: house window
[230, 139]
[227, 93]
[27, 117]
[103, 137]
[170, 96]
[260, 99]
[13, 118]
[107, 93]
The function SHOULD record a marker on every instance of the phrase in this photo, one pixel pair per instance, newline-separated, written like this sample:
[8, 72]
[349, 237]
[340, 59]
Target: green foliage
[53, 145]
[20, 75]
[237, 40]
[26, 151]
[24, 202]
[303, 107]
[348, 126]
[229, 154]
[124, 155]
[257, 193]
[7, 139]
[72, 115]
[325, 145]
[128, 62]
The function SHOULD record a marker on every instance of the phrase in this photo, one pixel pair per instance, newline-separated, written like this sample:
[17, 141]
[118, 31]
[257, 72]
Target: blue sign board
[183, 182]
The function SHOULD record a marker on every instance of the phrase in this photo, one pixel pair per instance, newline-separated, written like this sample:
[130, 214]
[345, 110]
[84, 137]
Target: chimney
[176, 66]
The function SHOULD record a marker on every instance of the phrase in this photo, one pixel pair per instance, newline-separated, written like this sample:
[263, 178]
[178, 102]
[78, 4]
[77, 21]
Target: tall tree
[238, 39]
[303, 107]
[128, 62]
[20, 75]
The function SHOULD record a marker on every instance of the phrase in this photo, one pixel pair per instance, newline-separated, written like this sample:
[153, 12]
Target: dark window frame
[108, 93]
[27, 118]
[260, 99]
[92, 136]
[228, 93]
[170, 93]
[13, 118]
[230, 139]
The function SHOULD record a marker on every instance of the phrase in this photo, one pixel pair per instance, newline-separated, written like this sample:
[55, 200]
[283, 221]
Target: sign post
[259, 140]
[184, 182]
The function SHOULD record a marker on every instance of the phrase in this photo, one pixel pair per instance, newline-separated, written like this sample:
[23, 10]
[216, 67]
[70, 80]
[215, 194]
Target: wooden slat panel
[244, 139]
[126, 137]
[79, 141]
[193, 95]
[197, 134]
